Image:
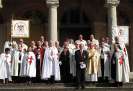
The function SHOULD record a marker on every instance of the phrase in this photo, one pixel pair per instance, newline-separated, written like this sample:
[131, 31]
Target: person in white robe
[60, 49]
[47, 64]
[120, 59]
[5, 66]
[3, 71]
[23, 45]
[31, 65]
[55, 61]
[17, 56]
[71, 47]
[105, 58]
[93, 41]
[14, 58]
[82, 41]
[24, 64]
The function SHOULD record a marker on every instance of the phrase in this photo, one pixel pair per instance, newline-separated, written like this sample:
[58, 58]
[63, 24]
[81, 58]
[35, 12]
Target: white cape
[31, 67]
[23, 68]
[5, 66]
[47, 65]
[55, 63]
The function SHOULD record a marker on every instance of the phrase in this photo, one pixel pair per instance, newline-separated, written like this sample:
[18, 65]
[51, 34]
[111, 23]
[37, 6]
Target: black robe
[65, 66]
[113, 67]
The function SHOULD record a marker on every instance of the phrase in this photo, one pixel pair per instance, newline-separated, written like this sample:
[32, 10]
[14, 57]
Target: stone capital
[112, 3]
[53, 3]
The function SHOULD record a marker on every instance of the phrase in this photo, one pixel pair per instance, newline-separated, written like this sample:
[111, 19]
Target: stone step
[67, 84]
[64, 87]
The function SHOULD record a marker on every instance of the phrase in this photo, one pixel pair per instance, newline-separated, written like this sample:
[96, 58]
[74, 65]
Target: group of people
[77, 61]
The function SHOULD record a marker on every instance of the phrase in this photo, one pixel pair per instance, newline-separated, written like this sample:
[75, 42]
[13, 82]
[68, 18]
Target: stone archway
[74, 22]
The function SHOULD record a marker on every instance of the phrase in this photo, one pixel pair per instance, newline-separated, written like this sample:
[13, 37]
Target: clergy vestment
[105, 60]
[5, 66]
[55, 63]
[31, 65]
[24, 46]
[39, 53]
[24, 64]
[95, 43]
[82, 42]
[47, 65]
[120, 65]
[17, 57]
[93, 65]
[72, 59]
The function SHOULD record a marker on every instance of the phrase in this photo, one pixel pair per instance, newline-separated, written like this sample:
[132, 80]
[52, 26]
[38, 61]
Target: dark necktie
[81, 55]
[20, 56]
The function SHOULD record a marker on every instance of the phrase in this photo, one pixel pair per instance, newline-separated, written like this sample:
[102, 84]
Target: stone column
[112, 18]
[52, 29]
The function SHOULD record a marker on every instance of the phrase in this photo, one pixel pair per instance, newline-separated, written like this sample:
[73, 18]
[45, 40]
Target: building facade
[74, 17]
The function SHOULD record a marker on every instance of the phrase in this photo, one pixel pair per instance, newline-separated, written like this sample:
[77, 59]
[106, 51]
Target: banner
[20, 29]
[123, 33]
[114, 33]
[1, 6]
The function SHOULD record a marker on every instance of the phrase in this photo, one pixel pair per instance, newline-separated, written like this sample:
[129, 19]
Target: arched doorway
[73, 23]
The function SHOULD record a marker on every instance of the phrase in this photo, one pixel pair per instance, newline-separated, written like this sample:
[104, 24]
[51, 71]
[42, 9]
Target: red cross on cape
[30, 60]
[121, 60]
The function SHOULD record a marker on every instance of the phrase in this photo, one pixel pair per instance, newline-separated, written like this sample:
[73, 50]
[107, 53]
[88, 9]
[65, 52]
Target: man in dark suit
[81, 57]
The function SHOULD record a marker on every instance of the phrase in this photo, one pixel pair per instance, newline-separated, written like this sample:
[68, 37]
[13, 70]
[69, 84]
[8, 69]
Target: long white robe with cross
[31, 65]
[123, 69]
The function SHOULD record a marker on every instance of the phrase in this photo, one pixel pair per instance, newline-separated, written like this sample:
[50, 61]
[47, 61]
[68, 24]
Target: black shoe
[77, 88]
[82, 87]
[29, 82]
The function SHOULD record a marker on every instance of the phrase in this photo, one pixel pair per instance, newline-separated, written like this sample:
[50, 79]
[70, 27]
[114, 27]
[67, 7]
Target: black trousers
[102, 68]
[80, 75]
